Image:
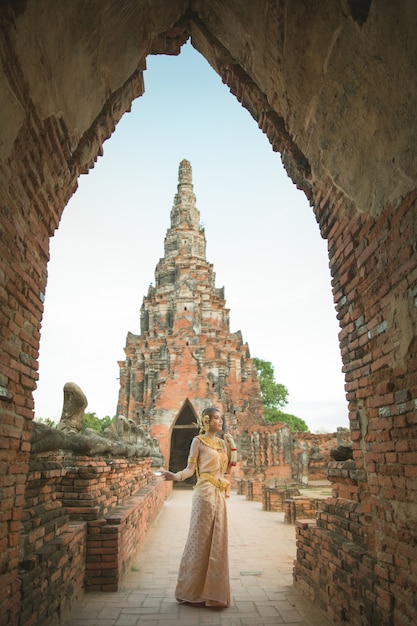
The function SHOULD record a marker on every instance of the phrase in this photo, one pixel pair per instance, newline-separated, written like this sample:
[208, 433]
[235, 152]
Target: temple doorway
[183, 432]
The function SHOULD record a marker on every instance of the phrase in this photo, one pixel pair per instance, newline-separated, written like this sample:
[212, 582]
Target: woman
[204, 570]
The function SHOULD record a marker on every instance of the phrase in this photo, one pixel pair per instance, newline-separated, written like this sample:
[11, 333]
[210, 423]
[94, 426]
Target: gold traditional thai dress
[204, 570]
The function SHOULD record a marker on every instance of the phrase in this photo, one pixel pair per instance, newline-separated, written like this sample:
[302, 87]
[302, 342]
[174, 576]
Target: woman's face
[216, 422]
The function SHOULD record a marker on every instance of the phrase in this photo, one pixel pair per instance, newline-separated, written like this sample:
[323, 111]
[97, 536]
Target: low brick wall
[113, 541]
[83, 522]
[53, 550]
[254, 490]
[300, 508]
[324, 557]
[93, 487]
[242, 487]
[273, 498]
[334, 566]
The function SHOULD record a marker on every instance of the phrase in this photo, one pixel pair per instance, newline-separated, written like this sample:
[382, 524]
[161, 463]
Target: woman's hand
[166, 475]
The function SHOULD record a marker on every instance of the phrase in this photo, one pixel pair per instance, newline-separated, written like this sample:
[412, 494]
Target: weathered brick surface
[242, 486]
[83, 521]
[254, 490]
[271, 452]
[185, 357]
[91, 487]
[273, 498]
[350, 150]
[37, 180]
[367, 526]
[52, 550]
[299, 507]
[113, 541]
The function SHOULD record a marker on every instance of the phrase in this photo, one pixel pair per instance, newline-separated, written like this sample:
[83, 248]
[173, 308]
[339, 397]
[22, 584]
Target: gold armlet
[192, 459]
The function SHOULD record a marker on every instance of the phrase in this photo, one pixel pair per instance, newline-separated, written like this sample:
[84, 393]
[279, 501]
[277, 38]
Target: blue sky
[262, 239]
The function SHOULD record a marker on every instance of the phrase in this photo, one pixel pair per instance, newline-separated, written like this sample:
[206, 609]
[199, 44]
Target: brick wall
[273, 498]
[335, 568]
[113, 541]
[254, 490]
[26, 222]
[272, 451]
[53, 551]
[84, 520]
[358, 559]
[39, 176]
[299, 507]
[242, 486]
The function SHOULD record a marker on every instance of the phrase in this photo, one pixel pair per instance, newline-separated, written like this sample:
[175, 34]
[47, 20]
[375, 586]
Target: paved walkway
[261, 554]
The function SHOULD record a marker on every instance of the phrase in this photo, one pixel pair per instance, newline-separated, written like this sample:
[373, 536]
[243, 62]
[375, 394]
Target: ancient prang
[332, 87]
[185, 357]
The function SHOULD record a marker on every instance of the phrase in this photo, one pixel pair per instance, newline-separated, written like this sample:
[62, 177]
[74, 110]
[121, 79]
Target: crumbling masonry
[185, 357]
[332, 85]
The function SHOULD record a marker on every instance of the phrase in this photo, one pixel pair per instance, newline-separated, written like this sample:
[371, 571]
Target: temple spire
[185, 174]
[184, 213]
[185, 236]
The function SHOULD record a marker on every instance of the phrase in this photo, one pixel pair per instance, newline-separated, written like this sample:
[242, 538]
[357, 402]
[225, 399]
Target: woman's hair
[210, 410]
[206, 416]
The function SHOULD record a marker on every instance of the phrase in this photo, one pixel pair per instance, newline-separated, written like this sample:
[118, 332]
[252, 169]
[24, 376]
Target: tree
[47, 421]
[90, 420]
[274, 397]
[295, 423]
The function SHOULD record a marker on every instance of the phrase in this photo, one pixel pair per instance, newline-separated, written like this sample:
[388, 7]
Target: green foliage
[90, 420]
[295, 423]
[47, 421]
[275, 397]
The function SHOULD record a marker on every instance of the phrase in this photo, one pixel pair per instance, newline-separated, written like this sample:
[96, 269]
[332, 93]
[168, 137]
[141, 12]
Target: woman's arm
[190, 469]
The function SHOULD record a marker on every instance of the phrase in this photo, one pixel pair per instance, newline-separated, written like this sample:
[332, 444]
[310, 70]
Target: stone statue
[315, 453]
[126, 439]
[73, 409]
[342, 453]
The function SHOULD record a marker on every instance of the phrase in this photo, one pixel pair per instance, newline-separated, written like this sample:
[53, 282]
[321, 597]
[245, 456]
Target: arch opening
[182, 433]
[341, 87]
[251, 212]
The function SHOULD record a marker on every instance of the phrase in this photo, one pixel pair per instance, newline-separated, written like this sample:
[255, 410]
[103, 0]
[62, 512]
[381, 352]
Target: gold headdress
[203, 420]
[203, 424]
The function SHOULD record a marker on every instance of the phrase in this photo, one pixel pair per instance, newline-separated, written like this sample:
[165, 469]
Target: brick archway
[335, 93]
[182, 434]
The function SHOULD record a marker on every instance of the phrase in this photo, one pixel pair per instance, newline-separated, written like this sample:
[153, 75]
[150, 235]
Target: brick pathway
[261, 553]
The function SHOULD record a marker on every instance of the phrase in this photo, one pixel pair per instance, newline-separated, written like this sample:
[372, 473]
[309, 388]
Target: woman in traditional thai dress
[204, 570]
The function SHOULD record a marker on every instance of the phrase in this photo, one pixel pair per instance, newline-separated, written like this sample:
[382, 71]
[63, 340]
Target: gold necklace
[211, 442]
[219, 446]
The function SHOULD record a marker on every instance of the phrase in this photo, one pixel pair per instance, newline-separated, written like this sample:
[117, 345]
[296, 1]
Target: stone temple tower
[185, 357]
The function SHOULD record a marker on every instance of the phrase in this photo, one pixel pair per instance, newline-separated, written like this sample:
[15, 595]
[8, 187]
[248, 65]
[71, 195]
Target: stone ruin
[332, 86]
[123, 439]
[89, 501]
[272, 453]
